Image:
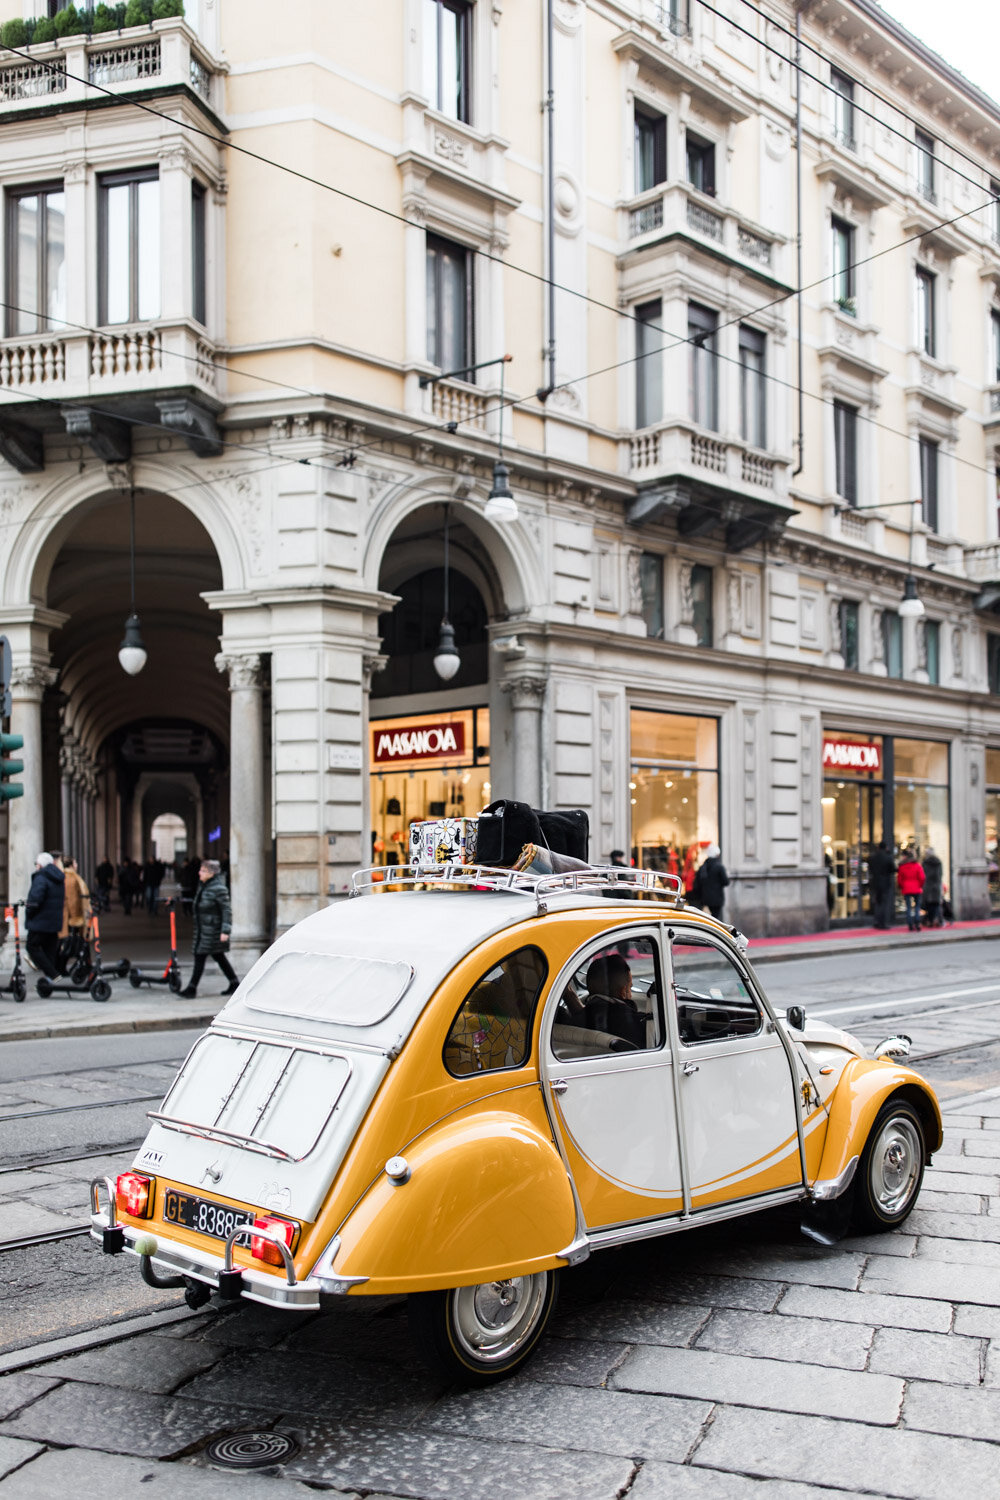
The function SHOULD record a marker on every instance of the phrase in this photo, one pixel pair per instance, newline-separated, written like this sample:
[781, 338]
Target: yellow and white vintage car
[464, 1080]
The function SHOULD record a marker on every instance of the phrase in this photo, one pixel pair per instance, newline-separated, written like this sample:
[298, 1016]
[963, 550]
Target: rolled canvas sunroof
[332, 987]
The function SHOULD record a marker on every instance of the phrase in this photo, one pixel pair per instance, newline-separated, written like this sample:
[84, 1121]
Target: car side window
[493, 1027]
[612, 1001]
[712, 999]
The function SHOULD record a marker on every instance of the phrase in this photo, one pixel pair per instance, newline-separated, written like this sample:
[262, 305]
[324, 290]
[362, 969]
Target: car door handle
[689, 1068]
[559, 1085]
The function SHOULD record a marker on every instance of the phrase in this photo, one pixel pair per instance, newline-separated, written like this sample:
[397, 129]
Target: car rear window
[493, 1027]
[340, 989]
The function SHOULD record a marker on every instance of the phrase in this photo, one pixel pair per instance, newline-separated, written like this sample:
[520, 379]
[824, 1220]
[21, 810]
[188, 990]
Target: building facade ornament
[244, 669]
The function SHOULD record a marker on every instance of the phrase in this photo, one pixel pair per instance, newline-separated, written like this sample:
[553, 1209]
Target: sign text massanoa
[419, 743]
[845, 755]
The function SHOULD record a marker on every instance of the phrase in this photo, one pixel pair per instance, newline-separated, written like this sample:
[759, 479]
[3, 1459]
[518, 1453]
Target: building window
[845, 445]
[929, 483]
[994, 211]
[701, 164]
[651, 586]
[752, 405]
[843, 109]
[198, 282]
[701, 604]
[675, 800]
[128, 230]
[926, 331]
[446, 57]
[648, 364]
[676, 14]
[892, 633]
[993, 663]
[995, 355]
[36, 259]
[843, 266]
[932, 650]
[650, 149]
[925, 166]
[849, 633]
[703, 366]
[450, 341]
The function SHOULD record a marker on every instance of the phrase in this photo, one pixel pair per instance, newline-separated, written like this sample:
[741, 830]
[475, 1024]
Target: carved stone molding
[30, 680]
[634, 581]
[524, 691]
[244, 670]
[371, 662]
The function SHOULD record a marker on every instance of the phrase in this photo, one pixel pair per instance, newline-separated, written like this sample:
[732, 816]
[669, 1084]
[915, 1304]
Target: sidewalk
[855, 939]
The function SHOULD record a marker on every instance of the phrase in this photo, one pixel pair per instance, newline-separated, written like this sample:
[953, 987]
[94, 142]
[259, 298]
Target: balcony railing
[78, 365]
[679, 208]
[168, 52]
[452, 401]
[675, 447]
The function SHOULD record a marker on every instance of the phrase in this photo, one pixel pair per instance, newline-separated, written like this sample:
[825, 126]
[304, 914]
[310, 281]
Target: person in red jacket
[911, 882]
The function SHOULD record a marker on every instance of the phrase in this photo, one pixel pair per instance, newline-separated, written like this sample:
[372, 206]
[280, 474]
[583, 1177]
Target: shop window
[845, 443]
[651, 586]
[674, 790]
[411, 630]
[921, 799]
[843, 266]
[700, 164]
[701, 604]
[650, 149]
[843, 109]
[198, 279]
[926, 321]
[434, 765]
[712, 998]
[447, 57]
[892, 630]
[849, 633]
[36, 259]
[493, 1028]
[993, 663]
[612, 1002]
[925, 166]
[648, 364]
[929, 483]
[752, 393]
[128, 236]
[853, 805]
[932, 650]
[703, 364]
[450, 321]
[992, 826]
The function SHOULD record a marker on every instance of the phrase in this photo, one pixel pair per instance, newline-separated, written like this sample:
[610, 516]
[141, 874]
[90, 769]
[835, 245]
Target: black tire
[175, 983]
[100, 990]
[44, 986]
[135, 978]
[472, 1335]
[19, 985]
[78, 973]
[891, 1169]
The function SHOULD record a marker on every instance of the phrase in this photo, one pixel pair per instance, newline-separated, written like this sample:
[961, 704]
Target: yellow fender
[863, 1089]
[487, 1196]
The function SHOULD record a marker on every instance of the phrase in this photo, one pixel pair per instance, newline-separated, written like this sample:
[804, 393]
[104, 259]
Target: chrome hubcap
[495, 1319]
[895, 1165]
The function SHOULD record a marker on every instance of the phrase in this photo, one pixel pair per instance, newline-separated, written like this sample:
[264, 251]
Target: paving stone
[982, 1144]
[965, 1251]
[278, 1381]
[879, 1461]
[77, 1472]
[940, 1280]
[926, 1356]
[250, 1326]
[13, 1453]
[767, 1336]
[866, 1307]
[950, 1203]
[20, 1389]
[16, 1183]
[901, 1245]
[954, 1226]
[953, 1177]
[144, 1363]
[624, 1323]
[116, 1421]
[978, 1322]
[23, 1218]
[576, 1361]
[958, 1411]
[633, 1426]
[991, 1376]
[441, 1466]
[659, 1481]
[813, 1266]
[964, 1165]
[771, 1384]
[711, 1291]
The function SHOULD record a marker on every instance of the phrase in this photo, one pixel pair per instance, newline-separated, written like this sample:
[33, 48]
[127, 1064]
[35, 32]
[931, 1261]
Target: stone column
[526, 696]
[25, 816]
[247, 831]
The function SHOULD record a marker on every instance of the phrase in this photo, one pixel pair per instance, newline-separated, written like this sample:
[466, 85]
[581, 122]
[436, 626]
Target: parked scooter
[171, 975]
[87, 978]
[17, 984]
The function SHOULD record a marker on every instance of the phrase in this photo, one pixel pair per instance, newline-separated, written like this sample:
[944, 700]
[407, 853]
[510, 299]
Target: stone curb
[876, 942]
[111, 1027]
[92, 1338]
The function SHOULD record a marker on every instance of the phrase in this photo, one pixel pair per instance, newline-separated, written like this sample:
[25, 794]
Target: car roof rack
[596, 880]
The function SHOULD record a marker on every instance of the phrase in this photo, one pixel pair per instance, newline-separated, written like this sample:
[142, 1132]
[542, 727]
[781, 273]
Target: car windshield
[342, 989]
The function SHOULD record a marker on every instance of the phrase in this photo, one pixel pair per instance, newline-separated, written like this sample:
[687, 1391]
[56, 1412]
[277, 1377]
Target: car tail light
[265, 1249]
[134, 1195]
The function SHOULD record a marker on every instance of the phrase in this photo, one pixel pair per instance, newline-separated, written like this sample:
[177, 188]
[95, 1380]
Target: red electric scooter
[17, 984]
[171, 975]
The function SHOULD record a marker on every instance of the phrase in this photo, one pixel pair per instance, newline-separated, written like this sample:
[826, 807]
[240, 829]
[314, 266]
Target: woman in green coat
[213, 921]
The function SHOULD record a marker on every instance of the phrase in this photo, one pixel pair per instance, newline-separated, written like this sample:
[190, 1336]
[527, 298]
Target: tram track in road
[68, 1109]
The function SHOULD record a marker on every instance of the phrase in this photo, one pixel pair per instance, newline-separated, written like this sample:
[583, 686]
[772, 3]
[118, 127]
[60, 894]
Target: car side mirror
[795, 1015]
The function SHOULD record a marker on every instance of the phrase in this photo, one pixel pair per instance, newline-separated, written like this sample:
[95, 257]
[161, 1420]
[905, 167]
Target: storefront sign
[846, 755]
[422, 741]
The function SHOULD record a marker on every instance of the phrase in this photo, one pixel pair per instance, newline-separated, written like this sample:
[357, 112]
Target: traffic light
[8, 768]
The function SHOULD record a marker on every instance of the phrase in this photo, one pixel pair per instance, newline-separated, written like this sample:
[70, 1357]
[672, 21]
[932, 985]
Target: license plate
[203, 1216]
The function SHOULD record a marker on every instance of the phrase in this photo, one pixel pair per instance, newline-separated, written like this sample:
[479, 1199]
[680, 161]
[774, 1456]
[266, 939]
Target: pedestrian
[76, 914]
[710, 882]
[933, 888]
[911, 883]
[43, 914]
[618, 859]
[882, 884]
[105, 881]
[125, 887]
[213, 920]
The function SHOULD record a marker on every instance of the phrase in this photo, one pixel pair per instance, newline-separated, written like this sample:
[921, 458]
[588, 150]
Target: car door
[738, 1098]
[607, 1064]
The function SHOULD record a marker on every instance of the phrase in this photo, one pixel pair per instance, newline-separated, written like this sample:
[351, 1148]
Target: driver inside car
[610, 1006]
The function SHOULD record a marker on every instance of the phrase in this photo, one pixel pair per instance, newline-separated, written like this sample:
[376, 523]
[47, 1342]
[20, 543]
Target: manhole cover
[252, 1450]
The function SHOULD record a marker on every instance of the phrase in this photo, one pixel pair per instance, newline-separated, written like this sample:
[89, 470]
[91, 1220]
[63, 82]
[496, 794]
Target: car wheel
[891, 1168]
[100, 990]
[481, 1334]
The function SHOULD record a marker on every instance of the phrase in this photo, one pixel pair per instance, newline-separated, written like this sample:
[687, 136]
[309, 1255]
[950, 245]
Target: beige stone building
[260, 283]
